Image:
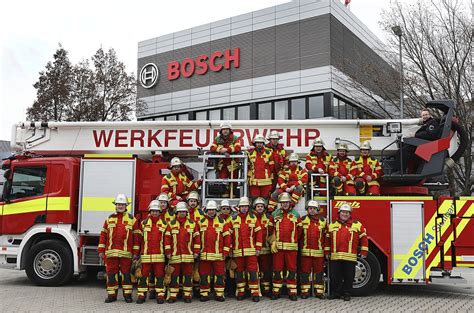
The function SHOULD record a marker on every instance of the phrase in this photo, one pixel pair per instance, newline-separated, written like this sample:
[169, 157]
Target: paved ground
[18, 294]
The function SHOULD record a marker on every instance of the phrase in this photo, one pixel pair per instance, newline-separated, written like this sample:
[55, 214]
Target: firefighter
[166, 211]
[153, 239]
[291, 180]
[226, 143]
[260, 168]
[312, 251]
[246, 246]
[367, 171]
[215, 247]
[340, 171]
[176, 184]
[185, 247]
[225, 211]
[286, 231]
[317, 161]
[345, 239]
[265, 257]
[116, 247]
[195, 213]
[279, 155]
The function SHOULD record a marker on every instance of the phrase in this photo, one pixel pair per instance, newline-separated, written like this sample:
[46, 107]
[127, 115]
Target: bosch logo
[149, 75]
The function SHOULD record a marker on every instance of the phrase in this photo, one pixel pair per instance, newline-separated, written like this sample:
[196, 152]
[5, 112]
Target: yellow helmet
[284, 197]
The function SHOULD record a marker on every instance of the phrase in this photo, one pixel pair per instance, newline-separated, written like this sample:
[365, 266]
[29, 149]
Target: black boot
[128, 298]
[347, 297]
[140, 300]
[220, 299]
[160, 300]
[304, 296]
[275, 296]
[152, 295]
[187, 300]
[293, 297]
[204, 298]
[110, 299]
[256, 299]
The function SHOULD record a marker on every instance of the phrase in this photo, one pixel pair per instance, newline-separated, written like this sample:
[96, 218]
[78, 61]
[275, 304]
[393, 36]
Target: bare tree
[436, 49]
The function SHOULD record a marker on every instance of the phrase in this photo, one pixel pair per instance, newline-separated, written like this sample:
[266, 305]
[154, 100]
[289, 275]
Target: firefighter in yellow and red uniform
[152, 239]
[312, 251]
[292, 180]
[116, 247]
[194, 207]
[317, 161]
[265, 257]
[227, 213]
[287, 232]
[246, 246]
[185, 247]
[215, 247]
[176, 184]
[340, 171]
[260, 169]
[279, 155]
[367, 171]
[345, 240]
[226, 143]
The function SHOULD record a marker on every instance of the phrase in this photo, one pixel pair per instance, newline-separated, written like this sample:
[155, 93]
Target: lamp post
[397, 30]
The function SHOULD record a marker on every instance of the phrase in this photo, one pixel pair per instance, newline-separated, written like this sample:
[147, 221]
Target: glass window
[243, 112]
[161, 118]
[335, 107]
[316, 107]
[201, 116]
[183, 117]
[342, 109]
[171, 118]
[298, 109]
[281, 110]
[228, 114]
[349, 112]
[215, 114]
[265, 111]
[28, 182]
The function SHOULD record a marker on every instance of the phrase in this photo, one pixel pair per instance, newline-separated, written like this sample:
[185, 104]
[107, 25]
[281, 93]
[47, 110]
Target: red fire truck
[61, 183]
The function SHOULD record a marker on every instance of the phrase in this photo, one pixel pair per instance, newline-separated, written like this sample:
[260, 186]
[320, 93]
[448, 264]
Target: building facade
[291, 61]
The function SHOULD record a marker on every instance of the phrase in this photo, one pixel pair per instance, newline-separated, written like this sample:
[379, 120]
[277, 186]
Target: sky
[31, 31]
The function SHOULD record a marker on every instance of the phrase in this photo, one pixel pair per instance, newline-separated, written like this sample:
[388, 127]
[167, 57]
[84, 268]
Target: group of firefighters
[258, 250]
[254, 248]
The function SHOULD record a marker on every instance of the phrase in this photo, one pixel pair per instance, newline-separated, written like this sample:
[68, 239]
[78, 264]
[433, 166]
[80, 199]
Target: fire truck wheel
[367, 275]
[49, 263]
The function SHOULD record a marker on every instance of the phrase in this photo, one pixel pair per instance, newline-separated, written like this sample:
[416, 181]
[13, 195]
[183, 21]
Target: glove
[274, 248]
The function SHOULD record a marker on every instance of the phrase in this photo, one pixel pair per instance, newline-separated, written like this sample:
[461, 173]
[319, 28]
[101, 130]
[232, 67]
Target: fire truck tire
[367, 276]
[49, 263]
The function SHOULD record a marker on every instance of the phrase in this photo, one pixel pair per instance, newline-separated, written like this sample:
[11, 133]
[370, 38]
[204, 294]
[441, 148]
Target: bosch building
[291, 61]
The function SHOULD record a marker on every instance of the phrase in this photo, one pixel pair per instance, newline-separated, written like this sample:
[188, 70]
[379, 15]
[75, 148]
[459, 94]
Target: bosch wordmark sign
[216, 62]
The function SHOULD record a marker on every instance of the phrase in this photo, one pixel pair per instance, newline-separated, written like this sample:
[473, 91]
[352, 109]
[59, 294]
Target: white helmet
[225, 202]
[318, 142]
[244, 201]
[154, 205]
[259, 138]
[314, 204]
[345, 207]
[175, 162]
[193, 195]
[284, 197]
[293, 157]
[225, 125]
[342, 146]
[365, 145]
[259, 200]
[274, 135]
[211, 205]
[121, 199]
[163, 197]
[182, 207]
